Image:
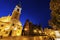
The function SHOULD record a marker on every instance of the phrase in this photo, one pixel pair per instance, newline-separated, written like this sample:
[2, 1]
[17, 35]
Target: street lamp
[35, 31]
[25, 29]
[39, 31]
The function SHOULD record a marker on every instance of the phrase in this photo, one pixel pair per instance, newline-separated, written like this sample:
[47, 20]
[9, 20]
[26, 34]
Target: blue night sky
[37, 11]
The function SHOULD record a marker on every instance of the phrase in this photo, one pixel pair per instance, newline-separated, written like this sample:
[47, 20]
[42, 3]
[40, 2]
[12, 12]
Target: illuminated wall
[10, 25]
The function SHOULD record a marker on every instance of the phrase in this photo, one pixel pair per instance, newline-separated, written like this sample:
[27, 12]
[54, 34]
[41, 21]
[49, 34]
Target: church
[11, 25]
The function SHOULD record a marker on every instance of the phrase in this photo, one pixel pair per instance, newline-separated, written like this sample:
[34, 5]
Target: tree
[54, 22]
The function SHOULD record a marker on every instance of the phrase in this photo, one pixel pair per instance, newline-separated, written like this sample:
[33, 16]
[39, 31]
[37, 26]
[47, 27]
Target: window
[18, 10]
[18, 28]
[6, 32]
[13, 24]
[0, 29]
[2, 25]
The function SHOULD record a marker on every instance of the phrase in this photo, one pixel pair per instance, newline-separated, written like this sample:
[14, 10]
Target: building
[10, 25]
[31, 29]
[25, 30]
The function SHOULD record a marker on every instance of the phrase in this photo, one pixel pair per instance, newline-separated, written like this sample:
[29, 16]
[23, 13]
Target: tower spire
[16, 12]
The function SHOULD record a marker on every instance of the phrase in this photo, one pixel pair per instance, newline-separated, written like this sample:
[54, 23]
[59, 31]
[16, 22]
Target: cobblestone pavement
[22, 38]
[27, 38]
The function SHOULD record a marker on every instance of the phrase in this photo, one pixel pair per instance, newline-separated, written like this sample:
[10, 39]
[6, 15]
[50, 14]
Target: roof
[19, 5]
